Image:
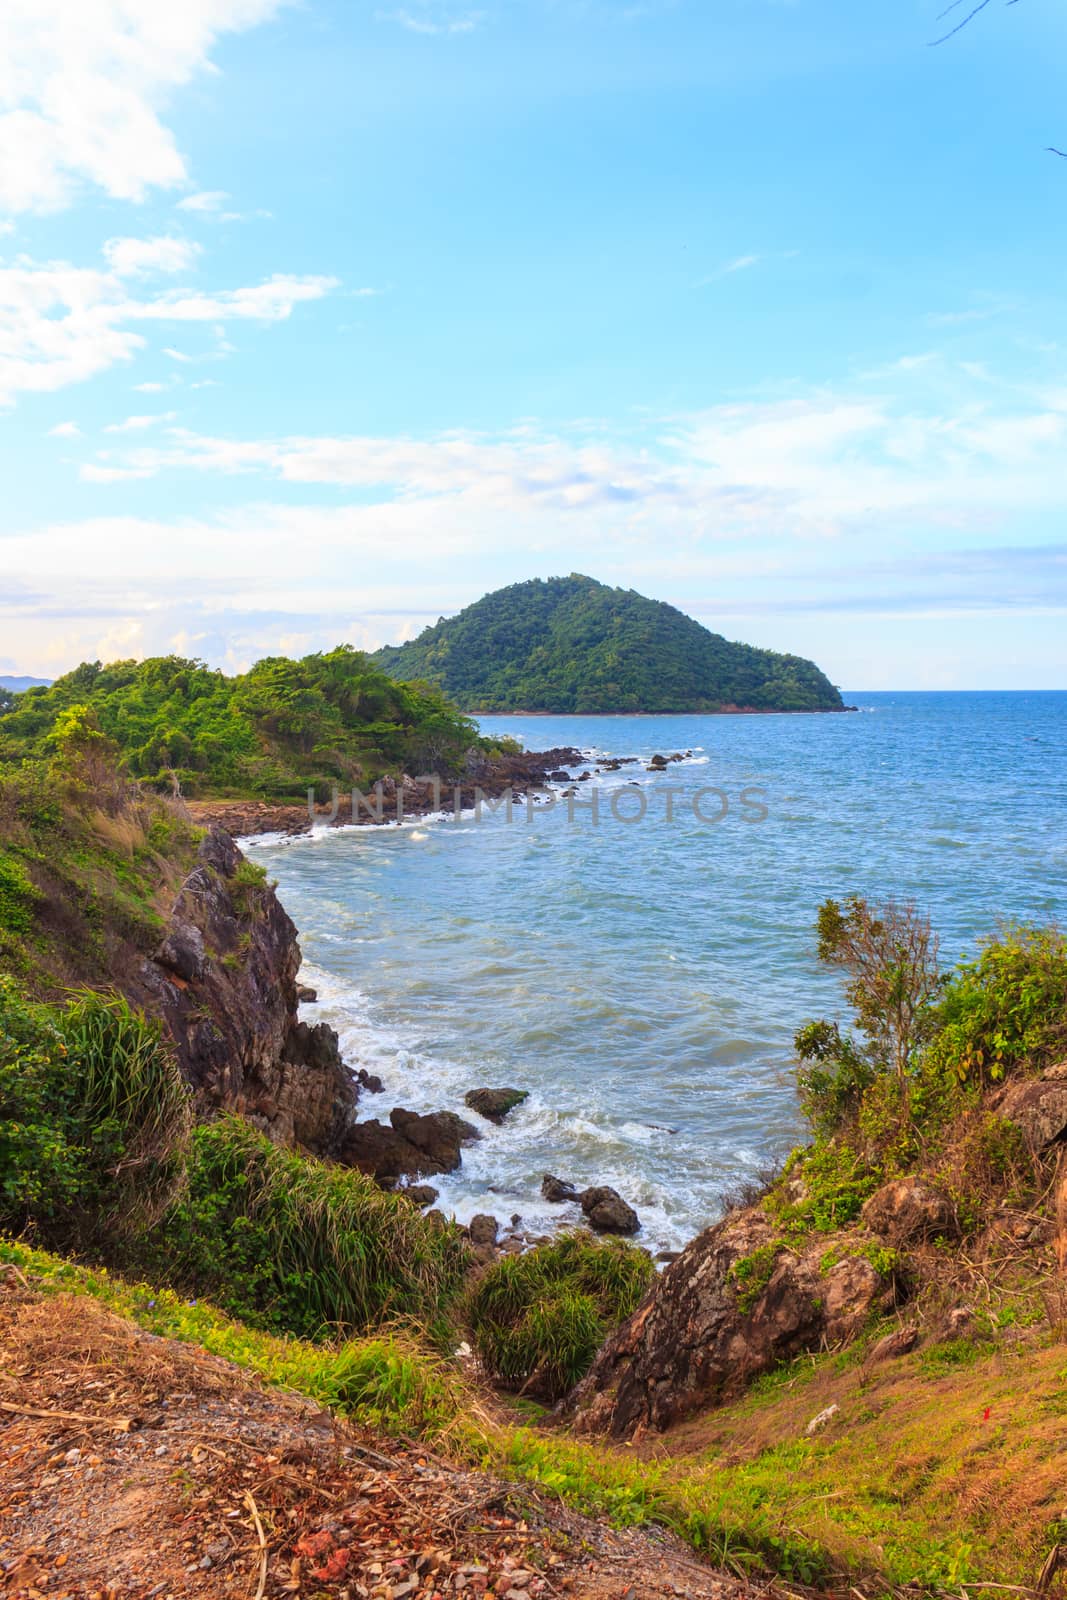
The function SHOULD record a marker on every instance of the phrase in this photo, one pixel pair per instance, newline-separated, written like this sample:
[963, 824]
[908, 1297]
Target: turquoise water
[643, 980]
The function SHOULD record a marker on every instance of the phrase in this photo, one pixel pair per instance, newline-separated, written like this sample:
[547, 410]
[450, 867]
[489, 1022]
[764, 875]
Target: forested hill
[271, 732]
[575, 645]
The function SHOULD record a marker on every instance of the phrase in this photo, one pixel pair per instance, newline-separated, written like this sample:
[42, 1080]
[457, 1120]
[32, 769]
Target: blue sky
[319, 320]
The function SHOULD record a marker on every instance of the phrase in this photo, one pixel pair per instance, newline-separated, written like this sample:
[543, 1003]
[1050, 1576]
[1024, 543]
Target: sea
[639, 956]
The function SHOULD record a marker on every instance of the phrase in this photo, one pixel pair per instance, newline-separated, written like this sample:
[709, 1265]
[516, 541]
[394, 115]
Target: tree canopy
[575, 645]
[274, 731]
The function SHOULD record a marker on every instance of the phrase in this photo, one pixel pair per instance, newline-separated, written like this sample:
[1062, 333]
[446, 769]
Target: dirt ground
[132, 1467]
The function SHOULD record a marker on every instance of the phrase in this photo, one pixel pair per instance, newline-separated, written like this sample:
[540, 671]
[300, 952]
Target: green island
[573, 645]
[856, 1381]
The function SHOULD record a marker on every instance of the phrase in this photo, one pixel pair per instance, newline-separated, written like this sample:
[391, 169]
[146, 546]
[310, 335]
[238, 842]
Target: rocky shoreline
[224, 981]
[407, 798]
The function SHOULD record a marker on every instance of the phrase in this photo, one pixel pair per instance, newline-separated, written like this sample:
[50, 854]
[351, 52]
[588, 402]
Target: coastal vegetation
[273, 732]
[117, 1184]
[574, 645]
[539, 1319]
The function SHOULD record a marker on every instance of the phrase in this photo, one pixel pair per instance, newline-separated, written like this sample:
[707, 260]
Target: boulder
[483, 1230]
[382, 1153]
[907, 1210]
[1038, 1108]
[736, 1302]
[557, 1190]
[894, 1344]
[494, 1104]
[607, 1212]
[420, 1194]
[439, 1135]
[306, 995]
[370, 1081]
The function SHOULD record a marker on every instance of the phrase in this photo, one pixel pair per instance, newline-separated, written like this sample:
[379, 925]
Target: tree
[890, 955]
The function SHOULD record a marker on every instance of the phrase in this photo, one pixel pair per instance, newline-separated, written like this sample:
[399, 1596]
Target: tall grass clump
[539, 1319]
[93, 1117]
[297, 1245]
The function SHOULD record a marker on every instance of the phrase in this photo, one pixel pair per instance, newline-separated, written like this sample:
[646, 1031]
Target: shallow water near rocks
[643, 979]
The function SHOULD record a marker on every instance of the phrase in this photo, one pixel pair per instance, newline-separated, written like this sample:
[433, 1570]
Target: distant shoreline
[735, 711]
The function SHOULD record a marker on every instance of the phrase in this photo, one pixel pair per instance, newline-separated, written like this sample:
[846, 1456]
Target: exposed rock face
[1038, 1108]
[494, 1104]
[736, 1302]
[907, 1209]
[557, 1190]
[607, 1212]
[223, 980]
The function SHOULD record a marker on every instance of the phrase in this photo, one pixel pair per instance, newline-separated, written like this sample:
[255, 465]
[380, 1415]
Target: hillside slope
[272, 732]
[575, 645]
[134, 1465]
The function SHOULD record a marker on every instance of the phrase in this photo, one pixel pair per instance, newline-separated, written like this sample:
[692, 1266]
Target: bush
[539, 1319]
[17, 896]
[1006, 1011]
[93, 1114]
[289, 1243]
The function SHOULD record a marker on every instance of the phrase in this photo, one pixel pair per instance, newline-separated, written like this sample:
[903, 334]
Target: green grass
[882, 1496]
[538, 1319]
[298, 1245]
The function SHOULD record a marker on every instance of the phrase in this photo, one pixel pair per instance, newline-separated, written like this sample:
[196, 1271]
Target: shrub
[1006, 1011]
[832, 1076]
[93, 1113]
[538, 1319]
[17, 896]
[751, 1274]
[297, 1245]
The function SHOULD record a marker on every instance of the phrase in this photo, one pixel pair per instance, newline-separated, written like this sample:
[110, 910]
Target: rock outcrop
[737, 1301]
[494, 1104]
[907, 1210]
[412, 1146]
[1038, 1107]
[223, 981]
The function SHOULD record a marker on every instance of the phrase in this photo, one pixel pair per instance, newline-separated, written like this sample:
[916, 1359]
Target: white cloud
[139, 424]
[131, 258]
[205, 200]
[60, 324]
[811, 467]
[428, 21]
[272, 301]
[65, 430]
[149, 388]
[82, 85]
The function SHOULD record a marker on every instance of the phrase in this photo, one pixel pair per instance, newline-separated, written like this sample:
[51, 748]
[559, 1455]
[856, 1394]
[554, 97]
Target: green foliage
[1005, 1012]
[17, 896]
[883, 1503]
[538, 1319]
[275, 731]
[575, 645]
[751, 1274]
[85, 862]
[832, 1077]
[835, 1181]
[93, 1114]
[890, 956]
[297, 1245]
